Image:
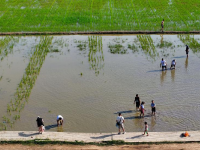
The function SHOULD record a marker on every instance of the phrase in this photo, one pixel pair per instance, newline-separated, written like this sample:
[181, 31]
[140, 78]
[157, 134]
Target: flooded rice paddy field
[89, 79]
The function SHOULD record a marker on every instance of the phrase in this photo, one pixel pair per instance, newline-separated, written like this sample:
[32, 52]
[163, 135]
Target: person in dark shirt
[137, 102]
[187, 50]
[40, 124]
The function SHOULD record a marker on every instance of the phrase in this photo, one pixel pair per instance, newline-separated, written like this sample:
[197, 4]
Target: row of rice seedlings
[95, 55]
[191, 41]
[147, 45]
[28, 80]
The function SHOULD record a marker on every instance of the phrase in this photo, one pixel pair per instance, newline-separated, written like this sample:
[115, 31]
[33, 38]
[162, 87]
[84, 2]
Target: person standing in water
[163, 63]
[153, 107]
[142, 109]
[187, 50]
[162, 25]
[137, 101]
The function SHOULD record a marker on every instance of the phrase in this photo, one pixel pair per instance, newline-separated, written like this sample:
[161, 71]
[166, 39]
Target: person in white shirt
[163, 63]
[59, 120]
[173, 64]
[120, 123]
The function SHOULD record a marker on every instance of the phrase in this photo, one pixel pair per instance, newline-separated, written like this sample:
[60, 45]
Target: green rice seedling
[117, 49]
[133, 48]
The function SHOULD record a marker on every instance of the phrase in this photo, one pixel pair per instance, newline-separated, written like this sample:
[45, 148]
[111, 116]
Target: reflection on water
[186, 63]
[173, 74]
[162, 76]
[153, 122]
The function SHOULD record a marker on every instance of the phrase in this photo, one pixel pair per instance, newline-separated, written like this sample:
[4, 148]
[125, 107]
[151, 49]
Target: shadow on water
[27, 135]
[160, 70]
[50, 126]
[103, 136]
[179, 57]
[137, 117]
[126, 111]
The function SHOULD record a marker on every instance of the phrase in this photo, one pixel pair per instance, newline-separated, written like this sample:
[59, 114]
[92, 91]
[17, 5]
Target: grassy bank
[98, 15]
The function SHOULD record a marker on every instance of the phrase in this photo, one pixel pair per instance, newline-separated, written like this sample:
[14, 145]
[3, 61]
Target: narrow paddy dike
[80, 138]
[99, 32]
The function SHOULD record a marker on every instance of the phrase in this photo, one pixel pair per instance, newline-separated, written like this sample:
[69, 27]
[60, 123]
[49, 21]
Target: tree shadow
[126, 111]
[27, 135]
[103, 136]
[50, 126]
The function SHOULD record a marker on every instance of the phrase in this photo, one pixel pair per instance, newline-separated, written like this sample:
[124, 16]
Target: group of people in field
[140, 107]
[163, 63]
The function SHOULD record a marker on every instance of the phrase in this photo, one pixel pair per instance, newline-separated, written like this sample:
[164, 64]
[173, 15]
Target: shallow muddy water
[92, 78]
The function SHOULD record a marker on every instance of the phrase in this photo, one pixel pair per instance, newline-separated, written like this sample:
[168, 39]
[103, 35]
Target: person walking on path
[187, 50]
[40, 124]
[137, 101]
[162, 25]
[173, 64]
[142, 109]
[60, 120]
[153, 107]
[163, 63]
[120, 123]
[146, 129]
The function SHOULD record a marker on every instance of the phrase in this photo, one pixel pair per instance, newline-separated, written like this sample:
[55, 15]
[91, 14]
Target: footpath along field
[98, 15]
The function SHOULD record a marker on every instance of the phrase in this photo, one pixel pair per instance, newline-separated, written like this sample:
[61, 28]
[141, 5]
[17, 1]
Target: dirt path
[193, 146]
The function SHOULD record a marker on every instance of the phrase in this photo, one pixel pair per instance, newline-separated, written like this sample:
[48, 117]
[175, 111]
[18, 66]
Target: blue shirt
[153, 105]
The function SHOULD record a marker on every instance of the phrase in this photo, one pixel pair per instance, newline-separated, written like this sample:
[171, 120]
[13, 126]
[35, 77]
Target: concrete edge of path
[129, 137]
[99, 32]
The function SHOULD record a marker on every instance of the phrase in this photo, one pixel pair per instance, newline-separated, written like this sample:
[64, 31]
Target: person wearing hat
[59, 120]
[40, 124]
[187, 50]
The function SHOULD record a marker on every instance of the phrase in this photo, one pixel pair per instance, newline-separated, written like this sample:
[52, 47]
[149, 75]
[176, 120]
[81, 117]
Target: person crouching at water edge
[120, 123]
[173, 64]
[40, 124]
[163, 63]
[59, 120]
